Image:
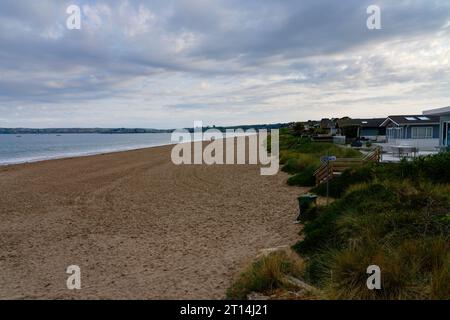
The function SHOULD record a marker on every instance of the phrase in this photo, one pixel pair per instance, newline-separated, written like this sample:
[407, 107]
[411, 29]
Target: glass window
[422, 132]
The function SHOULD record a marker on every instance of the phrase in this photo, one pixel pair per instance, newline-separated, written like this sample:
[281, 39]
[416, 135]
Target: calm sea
[36, 147]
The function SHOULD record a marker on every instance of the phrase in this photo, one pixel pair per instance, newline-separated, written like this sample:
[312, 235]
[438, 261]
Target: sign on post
[327, 159]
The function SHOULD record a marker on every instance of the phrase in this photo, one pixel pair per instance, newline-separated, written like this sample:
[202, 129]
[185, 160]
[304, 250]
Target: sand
[138, 226]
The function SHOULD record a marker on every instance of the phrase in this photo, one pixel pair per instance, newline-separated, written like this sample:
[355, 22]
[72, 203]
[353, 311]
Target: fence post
[329, 175]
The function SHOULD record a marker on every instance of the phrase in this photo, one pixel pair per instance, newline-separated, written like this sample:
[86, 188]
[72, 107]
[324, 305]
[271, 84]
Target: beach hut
[418, 131]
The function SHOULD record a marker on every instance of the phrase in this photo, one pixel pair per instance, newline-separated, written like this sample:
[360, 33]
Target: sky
[166, 64]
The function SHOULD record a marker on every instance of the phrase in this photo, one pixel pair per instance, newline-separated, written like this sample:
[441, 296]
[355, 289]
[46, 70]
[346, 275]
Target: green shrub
[432, 167]
[300, 163]
[305, 178]
[292, 166]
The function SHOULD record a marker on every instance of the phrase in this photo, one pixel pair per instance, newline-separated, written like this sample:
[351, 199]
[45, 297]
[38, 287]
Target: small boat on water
[19, 136]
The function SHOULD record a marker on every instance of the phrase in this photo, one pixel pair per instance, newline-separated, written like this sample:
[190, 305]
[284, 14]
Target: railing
[324, 173]
[328, 170]
[374, 156]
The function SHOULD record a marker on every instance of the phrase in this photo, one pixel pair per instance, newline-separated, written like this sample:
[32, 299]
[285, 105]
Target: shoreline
[80, 155]
[103, 152]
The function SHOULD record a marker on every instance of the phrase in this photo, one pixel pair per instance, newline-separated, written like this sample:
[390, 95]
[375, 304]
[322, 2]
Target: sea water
[37, 147]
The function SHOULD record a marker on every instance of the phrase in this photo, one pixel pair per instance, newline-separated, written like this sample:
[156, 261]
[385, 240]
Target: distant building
[420, 131]
[311, 124]
[368, 129]
[328, 125]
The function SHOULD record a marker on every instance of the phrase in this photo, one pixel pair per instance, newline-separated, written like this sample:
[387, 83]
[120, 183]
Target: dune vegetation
[300, 157]
[393, 215]
[267, 275]
[396, 216]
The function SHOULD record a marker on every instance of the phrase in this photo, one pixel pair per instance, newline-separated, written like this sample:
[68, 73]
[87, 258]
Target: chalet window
[422, 132]
[394, 133]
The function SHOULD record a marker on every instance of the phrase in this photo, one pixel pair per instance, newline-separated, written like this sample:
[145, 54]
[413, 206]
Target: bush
[300, 163]
[406, 271]
[292, 166]
[305, 178]
[401, 226]
[266, 274]
[432, 167]
[285, 155]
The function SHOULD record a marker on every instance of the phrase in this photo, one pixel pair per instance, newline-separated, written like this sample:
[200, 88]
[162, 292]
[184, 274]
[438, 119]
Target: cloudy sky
[164, 64]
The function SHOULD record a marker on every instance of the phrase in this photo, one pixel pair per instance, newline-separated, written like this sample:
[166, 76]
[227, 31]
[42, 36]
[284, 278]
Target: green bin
[306, 202]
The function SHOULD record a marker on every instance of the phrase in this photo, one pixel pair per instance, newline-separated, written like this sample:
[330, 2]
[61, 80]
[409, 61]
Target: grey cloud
[224, 43]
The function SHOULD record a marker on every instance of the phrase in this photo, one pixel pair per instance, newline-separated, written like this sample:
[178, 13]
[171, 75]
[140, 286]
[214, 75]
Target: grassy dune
[267, 275]
[301, 157]
[396, 216]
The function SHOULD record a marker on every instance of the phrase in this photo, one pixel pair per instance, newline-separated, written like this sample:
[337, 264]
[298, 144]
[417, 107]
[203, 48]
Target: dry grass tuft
[268, 275]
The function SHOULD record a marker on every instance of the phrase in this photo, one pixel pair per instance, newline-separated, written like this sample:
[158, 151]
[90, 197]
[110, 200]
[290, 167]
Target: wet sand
[137, 225]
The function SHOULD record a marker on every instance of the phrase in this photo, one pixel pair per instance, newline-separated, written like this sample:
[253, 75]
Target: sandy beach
[137, 225]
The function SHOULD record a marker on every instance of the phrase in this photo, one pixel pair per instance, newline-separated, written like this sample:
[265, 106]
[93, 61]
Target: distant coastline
[128, 130]
[80, 130]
